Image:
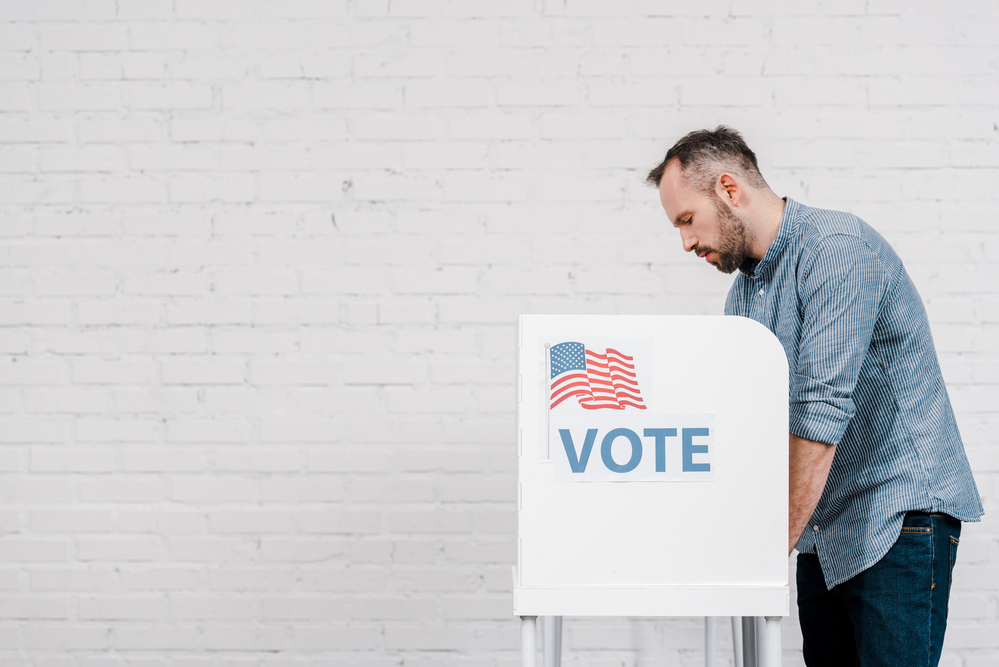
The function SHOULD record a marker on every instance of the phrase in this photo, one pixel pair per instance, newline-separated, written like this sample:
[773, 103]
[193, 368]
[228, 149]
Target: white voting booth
[652, 471]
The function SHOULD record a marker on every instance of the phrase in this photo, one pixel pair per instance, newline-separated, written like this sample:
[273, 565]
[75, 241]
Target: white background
[261, 266]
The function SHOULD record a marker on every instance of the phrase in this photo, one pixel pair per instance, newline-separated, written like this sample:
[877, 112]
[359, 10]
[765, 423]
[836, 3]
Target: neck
[767, 219]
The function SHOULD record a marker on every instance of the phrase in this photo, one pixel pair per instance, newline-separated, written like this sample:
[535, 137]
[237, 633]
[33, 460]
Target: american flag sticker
[594, 377]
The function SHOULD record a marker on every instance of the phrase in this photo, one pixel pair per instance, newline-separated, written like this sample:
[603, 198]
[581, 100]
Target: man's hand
[810, 462]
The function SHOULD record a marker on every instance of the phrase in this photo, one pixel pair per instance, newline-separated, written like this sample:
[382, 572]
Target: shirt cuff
[817, 413]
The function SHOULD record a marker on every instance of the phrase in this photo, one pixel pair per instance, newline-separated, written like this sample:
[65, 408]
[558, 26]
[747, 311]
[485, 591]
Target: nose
[688, 239]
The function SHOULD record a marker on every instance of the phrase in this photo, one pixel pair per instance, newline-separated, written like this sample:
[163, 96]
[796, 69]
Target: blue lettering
[578, 464]
[636, 450]
[660, 434]
[689, 449]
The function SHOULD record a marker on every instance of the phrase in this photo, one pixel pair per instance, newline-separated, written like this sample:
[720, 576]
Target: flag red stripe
[620, 358]
[608, 383]
[569, 376]
[610, 358]
[611, 371]
[611, 350]
[593, 368]
[570, 387]
[607, 377]
[569, 395]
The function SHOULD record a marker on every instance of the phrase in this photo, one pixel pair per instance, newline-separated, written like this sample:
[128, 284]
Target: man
[879, 481]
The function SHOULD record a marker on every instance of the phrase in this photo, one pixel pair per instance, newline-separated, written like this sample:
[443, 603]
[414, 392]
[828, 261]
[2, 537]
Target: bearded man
[879, 481]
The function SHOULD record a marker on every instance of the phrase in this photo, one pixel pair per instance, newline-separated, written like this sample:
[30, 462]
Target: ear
[729, 189]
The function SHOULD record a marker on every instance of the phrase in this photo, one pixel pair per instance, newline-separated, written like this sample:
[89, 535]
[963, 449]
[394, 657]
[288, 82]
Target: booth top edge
[611, 325]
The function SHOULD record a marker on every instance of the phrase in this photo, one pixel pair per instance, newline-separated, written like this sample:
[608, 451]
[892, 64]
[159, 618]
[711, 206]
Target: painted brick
[305, 550]
[66, 637]
[190, 608]
[159, 578]
[70, 521]
[163, 521]
[119, 608]
[85, 37]
[265, 264]
[77, 459]
[157, 639]
[75, 579]
[306, 638]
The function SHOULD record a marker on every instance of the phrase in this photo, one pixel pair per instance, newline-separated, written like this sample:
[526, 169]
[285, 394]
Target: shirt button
[761, 291]
[815, 527]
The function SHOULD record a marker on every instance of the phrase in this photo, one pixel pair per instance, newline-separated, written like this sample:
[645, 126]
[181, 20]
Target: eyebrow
[680, 216]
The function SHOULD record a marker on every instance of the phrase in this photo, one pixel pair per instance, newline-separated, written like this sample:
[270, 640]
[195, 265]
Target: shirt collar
[760, 268]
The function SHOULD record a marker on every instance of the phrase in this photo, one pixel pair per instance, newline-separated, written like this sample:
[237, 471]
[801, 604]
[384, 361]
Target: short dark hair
[705, 154]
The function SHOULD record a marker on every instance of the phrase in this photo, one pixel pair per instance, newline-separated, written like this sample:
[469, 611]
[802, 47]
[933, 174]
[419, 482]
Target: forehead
[676, 194]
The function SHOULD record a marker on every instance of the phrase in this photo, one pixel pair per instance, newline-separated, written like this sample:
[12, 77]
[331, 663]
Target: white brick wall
[261, 266]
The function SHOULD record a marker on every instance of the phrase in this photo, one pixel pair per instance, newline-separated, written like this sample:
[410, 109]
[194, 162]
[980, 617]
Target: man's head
[711, 188]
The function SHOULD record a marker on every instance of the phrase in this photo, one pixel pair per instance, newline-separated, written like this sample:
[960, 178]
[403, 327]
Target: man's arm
[810, 462]
[840, 286]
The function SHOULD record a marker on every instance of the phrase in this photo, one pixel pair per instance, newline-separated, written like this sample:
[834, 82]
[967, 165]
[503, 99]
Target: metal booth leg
[709, 641]
[529, 640]
[773, 657]
[749, 656]
[761, 640]
[737, 640]
[558, 641]
[553, 641]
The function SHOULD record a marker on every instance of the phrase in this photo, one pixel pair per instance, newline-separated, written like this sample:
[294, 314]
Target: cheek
[698, 232]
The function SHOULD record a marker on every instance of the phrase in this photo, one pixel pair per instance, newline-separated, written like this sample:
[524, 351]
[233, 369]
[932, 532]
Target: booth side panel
[730, 531]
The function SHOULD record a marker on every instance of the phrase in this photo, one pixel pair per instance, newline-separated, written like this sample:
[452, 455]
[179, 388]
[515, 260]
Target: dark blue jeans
[893, 613]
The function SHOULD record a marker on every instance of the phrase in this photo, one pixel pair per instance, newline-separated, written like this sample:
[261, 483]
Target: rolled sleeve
[821, 415]
[841, 285]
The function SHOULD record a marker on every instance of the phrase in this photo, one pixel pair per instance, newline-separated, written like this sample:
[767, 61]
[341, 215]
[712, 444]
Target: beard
[733, 245]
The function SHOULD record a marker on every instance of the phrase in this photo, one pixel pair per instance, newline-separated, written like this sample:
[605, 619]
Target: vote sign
[599, 427]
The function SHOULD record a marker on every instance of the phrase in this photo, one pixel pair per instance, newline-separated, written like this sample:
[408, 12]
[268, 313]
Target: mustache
[701, 251]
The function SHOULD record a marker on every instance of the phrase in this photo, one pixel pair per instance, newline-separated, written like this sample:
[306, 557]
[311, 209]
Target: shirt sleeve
[840, 287]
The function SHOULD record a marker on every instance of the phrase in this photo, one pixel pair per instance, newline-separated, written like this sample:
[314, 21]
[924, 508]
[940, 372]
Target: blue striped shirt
[864, 376]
